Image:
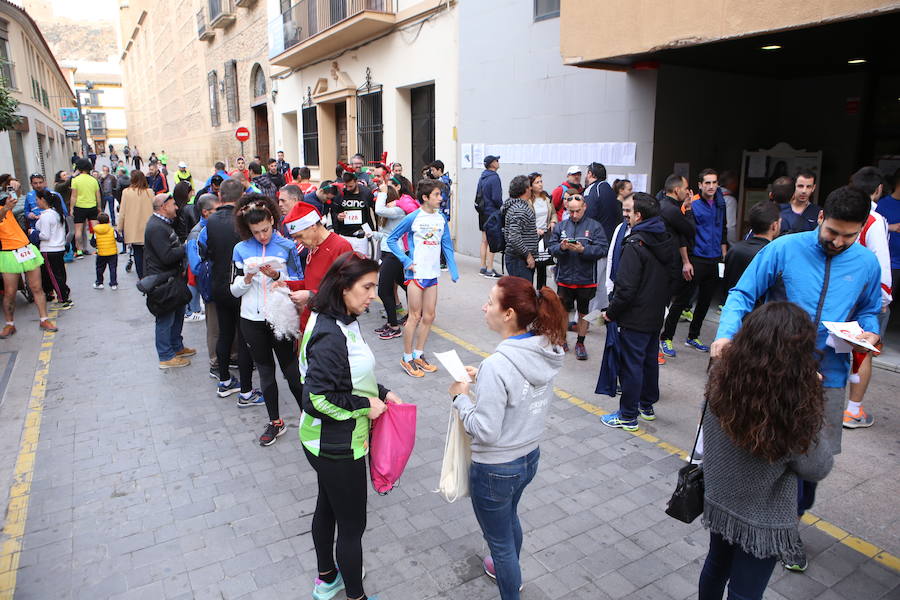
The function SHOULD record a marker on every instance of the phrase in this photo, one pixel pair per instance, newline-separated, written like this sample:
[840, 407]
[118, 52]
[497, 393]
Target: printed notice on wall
[620, 154]
[477, 155]
[466, 150]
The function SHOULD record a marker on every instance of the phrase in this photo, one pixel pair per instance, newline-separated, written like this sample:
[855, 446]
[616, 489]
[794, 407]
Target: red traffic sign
[242, 134]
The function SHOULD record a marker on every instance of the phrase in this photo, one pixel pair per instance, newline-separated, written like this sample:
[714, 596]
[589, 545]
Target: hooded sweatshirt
[644, 279]
[506, 418]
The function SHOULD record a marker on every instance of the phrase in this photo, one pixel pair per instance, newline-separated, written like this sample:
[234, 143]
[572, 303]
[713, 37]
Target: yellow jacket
[106, 240]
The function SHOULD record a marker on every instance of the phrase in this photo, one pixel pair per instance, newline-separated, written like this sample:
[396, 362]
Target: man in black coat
[765, 226]
[644, 277]
[165, 254]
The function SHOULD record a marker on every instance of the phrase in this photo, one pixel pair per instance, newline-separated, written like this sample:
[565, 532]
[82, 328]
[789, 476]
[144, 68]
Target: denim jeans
[108, 203]
[194, 305]
[168, 334]
[138, 251]
[517, 267]
[745, 575]
[638, 372]
[496, 491]
[104, 262]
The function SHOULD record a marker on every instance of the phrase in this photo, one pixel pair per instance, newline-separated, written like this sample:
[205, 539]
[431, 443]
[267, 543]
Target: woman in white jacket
[506, 416]
[52, 230]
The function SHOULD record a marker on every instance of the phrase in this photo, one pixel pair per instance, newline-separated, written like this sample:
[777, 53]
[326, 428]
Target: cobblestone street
[147, 485]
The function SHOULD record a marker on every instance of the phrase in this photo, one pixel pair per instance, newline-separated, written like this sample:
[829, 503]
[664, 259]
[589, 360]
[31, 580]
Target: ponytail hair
[540, 313]
[54, 204]
[252, 209]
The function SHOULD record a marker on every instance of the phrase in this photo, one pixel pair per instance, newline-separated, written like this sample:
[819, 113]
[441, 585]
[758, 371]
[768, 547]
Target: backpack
[479, 200]
[493, 231]
[203, 280]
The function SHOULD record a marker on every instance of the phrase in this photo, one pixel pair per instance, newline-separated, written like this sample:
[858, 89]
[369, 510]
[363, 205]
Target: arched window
[258, 80]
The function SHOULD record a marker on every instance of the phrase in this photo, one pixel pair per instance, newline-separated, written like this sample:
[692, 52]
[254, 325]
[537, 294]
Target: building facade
[102, 101]
[368, 76]
[38, 143]
[195, 71]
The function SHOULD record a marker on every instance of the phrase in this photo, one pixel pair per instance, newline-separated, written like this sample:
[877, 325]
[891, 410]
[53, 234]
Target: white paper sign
[353, 217]
[368, 230]
[454, 365]
[477, 155]
[849, 332]
[466, 156]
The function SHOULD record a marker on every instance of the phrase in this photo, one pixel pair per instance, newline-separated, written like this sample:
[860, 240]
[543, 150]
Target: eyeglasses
[36, 176]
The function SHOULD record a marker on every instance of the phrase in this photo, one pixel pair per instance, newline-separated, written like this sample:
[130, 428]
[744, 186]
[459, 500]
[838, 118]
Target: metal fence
[306, 18]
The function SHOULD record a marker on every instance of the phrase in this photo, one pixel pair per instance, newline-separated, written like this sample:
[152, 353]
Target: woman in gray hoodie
[505, 415]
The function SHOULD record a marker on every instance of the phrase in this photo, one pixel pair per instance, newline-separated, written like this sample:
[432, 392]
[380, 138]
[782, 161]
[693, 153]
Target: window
[310, 136]
[370, 128]
[259, 82]
[97, 122]
[6, 64]
[545, 9]
[45, 99]
[212, 82]
[231, 92]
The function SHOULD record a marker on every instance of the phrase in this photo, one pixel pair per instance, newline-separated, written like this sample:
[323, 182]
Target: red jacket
[557, 197]
[317, 264]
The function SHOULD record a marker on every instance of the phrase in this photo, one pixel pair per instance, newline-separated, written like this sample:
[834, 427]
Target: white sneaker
[194, 317]
[98, 286]
[114, 287]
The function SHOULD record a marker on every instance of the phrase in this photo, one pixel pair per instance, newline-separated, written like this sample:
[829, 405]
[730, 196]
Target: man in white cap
[182, 174]
[573, 183]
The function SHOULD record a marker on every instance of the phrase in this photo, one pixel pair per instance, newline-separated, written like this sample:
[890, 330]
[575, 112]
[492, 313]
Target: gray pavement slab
[147, 485]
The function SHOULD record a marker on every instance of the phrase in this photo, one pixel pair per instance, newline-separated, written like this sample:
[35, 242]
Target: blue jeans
[745, 575]
[638, 372]
[496, 491]
[517, 267]
[168, 334]
[108, 203]
[194, 305]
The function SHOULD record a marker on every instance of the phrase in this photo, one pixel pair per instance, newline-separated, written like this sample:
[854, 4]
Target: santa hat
[302, 216]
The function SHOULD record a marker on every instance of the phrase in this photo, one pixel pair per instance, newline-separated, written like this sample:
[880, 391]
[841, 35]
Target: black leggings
[228, 313]
[341, 502]
[391, 272]
[540, 272]
[263, 344]
[53, 262]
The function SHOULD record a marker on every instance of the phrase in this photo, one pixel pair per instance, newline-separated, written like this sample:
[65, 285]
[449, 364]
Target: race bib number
[353, 217]
[24, 254]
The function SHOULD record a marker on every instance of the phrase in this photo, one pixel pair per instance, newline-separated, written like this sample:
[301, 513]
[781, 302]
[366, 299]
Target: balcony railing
[221, 13]
[204, 32]
[307, 18]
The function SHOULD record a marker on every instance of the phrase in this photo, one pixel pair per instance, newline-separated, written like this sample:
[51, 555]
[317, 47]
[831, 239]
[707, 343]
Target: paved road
[146, 485]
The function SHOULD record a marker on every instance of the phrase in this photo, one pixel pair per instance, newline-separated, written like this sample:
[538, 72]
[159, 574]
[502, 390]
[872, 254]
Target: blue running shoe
[227, 388]
[667, 348]
[327, 591]
[254, 399]
[647, 413]
[613, 420]
[696, 344]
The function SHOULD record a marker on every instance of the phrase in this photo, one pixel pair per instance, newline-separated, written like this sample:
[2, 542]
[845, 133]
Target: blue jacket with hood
[491, 190]
[795, 268]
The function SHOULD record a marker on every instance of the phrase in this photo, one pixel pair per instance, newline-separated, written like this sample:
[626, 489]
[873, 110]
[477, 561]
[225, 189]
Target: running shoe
[798, 563]
[113, 287]
[696, 344]
[382, 329]
[613, 420]
[194, 317]
[227, 388]
[580, 351]
[863, 419]
[98, 286]
[647, 413]
[493, 275]
[424, 365]
[401, 312]
[214, 373]
[687, 315]
[488, 565]
[483, 272]
[273, 432]
[390, 334]
[667, 348]
[661, 359]
[254, 399]
[79, 254]
[65, 305]
[444, 268]
[327, 591]
[411, 369]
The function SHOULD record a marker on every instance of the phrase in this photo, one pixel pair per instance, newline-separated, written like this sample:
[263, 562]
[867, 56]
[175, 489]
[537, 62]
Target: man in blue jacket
[830, 277]
[702, 268]
[603, 207]
[488, 200]
[31, 210]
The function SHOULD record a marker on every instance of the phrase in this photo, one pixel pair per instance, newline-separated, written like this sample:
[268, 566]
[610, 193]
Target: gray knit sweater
[750, 502]
[519, 228]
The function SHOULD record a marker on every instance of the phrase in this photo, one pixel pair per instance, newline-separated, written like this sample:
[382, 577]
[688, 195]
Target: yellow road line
[860, 545]
[19, 494]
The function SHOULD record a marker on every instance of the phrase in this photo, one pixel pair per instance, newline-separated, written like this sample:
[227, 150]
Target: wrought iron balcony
[204, 32]
[221, 13]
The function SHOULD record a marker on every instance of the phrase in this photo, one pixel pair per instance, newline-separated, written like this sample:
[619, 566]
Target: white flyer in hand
[353, 217]
[848, 332]
[367, 230]
[595, 316]
[454, 365]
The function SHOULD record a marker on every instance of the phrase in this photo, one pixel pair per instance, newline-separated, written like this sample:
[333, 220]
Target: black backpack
[493, 231]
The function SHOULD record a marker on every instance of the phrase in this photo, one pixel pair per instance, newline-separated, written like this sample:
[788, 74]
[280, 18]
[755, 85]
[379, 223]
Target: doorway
[340, 121]
[422, 128]
[261, 124]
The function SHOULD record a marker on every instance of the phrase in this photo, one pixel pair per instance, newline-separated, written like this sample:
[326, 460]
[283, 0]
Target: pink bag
[392, 441]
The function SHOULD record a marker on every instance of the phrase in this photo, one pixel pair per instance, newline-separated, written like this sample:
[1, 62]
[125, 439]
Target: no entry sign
[242, 134]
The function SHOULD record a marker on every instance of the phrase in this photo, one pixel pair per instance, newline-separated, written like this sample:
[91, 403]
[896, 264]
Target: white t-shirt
[427, 230]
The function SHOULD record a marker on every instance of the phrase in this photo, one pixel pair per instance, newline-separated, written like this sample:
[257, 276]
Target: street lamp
[82, 130]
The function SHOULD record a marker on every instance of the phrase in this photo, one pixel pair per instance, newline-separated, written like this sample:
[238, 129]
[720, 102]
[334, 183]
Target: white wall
[514, 89]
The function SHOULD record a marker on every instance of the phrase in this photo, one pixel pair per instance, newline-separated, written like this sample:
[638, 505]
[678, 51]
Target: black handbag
[686, 503]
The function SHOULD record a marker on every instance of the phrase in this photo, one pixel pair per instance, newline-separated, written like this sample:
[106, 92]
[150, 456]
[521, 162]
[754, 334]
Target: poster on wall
[466, 156]
[477, 155]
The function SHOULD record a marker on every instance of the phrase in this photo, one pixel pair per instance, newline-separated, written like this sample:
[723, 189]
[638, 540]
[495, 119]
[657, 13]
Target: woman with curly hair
[761, 433]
